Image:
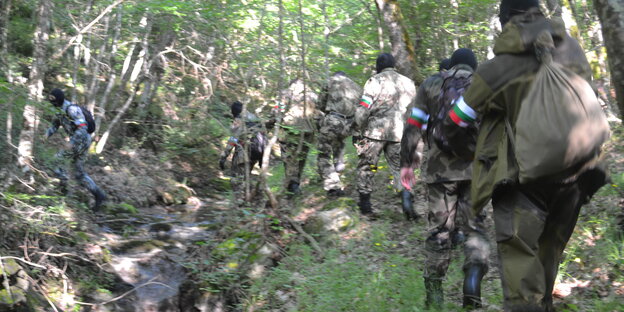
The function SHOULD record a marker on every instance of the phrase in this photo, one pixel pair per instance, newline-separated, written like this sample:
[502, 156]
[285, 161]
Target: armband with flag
[462, 114]
[366, 101]
[418, 118]
[233, 141]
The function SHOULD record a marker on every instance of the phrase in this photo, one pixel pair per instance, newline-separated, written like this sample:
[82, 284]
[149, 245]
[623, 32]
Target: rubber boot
[335, 193]
[434, 292]
[408, 209]
[293, 188]
[472, 286]
[365, 204]
[100, 198]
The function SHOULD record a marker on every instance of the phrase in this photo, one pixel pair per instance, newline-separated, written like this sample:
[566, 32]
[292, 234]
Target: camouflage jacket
[341, 95]
[497, 91]
[70, 117]
[299, 115]
[437, 166]
[384, 101]
[241, 131]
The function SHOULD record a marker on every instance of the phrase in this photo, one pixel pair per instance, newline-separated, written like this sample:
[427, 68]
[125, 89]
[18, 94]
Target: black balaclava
[237, 108]
[445, 64]
[57, 97]
[509, 8]
[464, 56]
[384, 60]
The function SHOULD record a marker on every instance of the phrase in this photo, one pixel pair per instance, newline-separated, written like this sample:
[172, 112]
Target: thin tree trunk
[5, 12]
[455, 6]
[85, 29]
[266, 155]
[611, 14]
[95, 72]
[402, 47]
[76, 62]
[99, 115]
[326, 37]
[554, 7]
[155, 70]
[35, 85]
[303, 80]
[133, 79]
[569, 19]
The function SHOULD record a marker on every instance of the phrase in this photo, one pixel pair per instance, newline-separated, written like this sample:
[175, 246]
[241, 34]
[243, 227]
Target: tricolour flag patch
[462, 114]
[418, 118]
[233, 141]
[366, 101]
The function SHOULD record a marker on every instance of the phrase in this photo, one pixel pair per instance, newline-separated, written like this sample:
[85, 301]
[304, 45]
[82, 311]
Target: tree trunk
[134, 81]
[5, 12]
[326, 39]
[611, 14]
[95, 72]
[569, 18]
[554, 7]
[99, 115]
[155, 69]
[402, 48]
[35, 85]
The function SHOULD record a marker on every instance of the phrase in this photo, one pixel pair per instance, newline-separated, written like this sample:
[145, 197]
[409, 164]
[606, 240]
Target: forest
[174, 234]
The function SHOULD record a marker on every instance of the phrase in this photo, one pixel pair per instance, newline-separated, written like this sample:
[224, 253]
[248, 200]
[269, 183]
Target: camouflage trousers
[449, 211]
[80, 142]
[331, 145]
[369, 151]
[237, 171]
[533, 226]
[294, 158]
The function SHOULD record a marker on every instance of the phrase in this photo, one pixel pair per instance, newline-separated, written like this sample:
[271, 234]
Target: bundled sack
[561, 125]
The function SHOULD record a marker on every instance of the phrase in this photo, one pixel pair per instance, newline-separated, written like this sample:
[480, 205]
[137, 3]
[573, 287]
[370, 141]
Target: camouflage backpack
[462, 141]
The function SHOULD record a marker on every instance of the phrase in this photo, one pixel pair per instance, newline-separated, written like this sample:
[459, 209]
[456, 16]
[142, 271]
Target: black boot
[435, 293]
[472, 286]
[365, 205]
[100, 198]
[293, 188]
[408, 209]
[335, 193]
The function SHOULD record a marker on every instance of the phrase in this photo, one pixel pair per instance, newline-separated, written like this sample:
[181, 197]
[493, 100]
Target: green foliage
[20, 30]
[393, 284]
[121, 208]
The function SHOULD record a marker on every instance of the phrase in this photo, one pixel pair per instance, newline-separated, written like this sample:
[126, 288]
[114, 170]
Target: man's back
[389, 94]
[342, 95]
[500, 85]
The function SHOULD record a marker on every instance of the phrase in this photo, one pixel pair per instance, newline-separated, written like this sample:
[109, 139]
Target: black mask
[57, 97]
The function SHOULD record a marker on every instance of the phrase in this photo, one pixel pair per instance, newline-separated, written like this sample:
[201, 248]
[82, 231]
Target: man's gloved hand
[222, 163]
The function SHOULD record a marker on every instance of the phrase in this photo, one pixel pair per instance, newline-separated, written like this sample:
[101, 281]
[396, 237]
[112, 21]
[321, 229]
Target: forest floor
[377, 265]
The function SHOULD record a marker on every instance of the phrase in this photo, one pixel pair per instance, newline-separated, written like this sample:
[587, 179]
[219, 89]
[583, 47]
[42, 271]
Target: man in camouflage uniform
[245, 129]
[379, 118]
[448, 189]
[298, 131]
[73, 121]
[534, 221]
[338, 101]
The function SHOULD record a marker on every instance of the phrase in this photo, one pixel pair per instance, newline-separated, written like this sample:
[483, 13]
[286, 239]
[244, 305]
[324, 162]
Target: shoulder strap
[510, 133]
